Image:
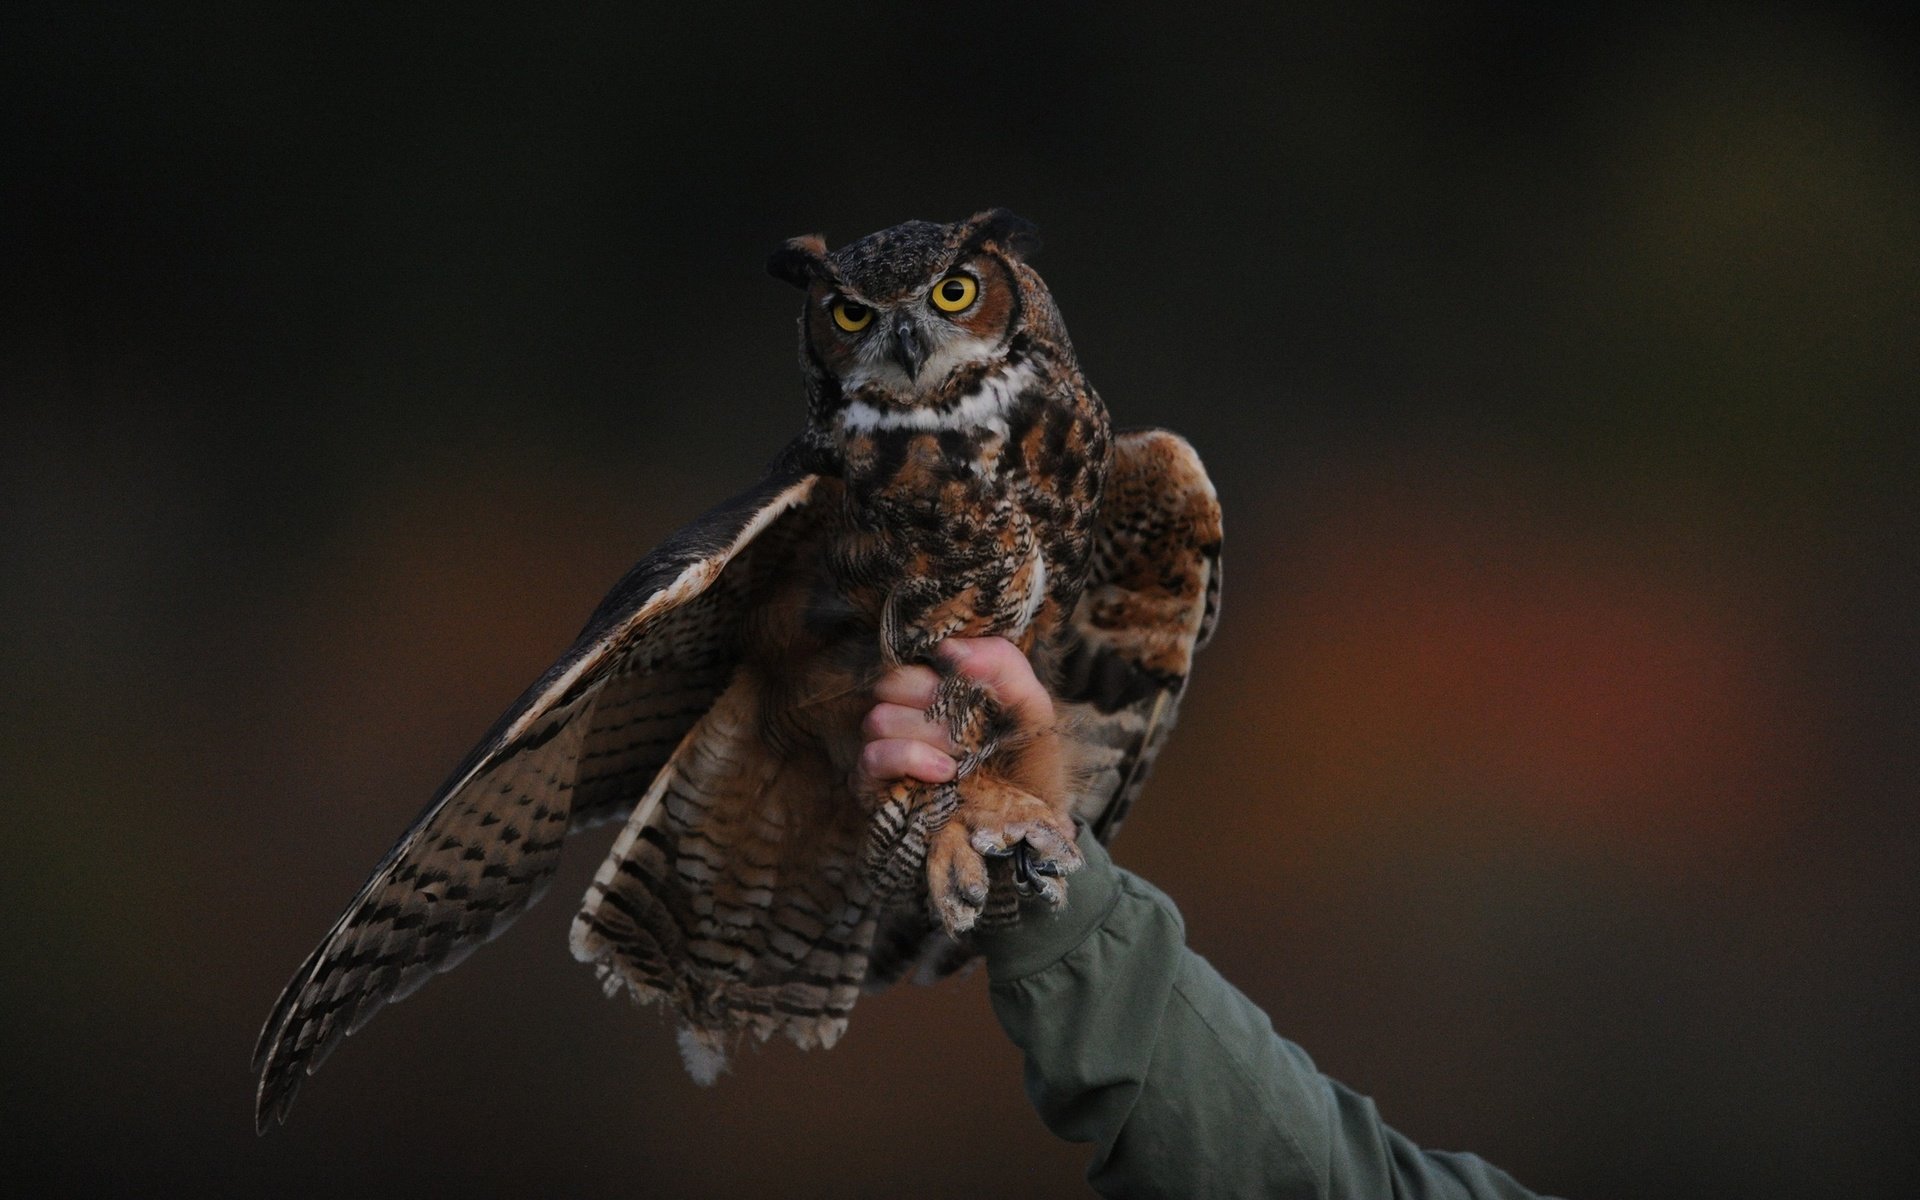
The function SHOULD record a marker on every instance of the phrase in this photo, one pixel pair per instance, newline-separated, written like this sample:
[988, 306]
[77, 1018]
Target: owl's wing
[1150, 602]
[578, 747]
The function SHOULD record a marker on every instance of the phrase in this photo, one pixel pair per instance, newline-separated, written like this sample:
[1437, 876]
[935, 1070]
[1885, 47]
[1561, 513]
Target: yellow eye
[850, 316]
[955, 293]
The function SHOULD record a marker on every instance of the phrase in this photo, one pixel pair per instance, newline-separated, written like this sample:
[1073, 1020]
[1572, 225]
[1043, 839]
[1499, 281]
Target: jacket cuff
[1044, 935]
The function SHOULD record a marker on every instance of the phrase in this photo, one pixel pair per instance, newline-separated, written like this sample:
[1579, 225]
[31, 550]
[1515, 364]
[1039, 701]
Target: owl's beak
[909, 348]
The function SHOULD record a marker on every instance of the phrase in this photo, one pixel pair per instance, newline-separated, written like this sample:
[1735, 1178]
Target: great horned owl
[956, 477]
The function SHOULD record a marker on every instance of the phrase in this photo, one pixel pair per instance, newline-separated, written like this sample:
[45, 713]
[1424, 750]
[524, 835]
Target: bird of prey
[956, 477]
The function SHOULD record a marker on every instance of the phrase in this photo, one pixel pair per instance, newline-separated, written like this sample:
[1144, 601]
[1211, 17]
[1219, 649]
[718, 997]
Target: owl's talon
[1025, 863]
[957, 882]
[1036, 876]
[1023, 875]
[995, 821]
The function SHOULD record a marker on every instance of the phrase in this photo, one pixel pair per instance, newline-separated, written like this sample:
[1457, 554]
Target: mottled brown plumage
[957, 477]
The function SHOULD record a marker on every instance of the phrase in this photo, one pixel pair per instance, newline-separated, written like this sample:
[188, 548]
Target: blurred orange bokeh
[1611, 690]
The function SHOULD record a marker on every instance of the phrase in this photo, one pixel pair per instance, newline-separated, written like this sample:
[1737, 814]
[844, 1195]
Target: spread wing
[580, 746]
[1150, 602]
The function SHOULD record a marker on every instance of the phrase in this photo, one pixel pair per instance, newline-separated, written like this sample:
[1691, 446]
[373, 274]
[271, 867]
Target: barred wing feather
[1150, 602]
[578, 747]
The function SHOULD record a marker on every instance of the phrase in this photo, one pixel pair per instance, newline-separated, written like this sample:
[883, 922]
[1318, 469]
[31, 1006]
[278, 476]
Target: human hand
[903, 744]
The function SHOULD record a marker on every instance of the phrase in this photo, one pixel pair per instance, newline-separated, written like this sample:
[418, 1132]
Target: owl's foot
[996, 820]
[900, 832]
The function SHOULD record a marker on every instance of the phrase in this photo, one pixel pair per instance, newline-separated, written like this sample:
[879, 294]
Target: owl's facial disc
[901, 347]
[905, 354]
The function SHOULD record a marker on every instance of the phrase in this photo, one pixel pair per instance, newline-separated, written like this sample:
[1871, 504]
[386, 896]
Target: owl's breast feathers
[974, 515]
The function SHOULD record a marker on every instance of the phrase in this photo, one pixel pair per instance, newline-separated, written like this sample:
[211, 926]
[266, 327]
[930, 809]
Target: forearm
[1135, 1044]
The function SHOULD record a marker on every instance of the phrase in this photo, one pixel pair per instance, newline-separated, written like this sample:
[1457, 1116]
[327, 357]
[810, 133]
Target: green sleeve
[1135, 1044]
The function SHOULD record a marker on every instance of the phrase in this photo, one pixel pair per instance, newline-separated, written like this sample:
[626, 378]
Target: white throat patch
[983, 408]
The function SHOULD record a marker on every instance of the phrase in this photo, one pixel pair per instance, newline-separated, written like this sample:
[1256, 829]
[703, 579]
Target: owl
[956, 477]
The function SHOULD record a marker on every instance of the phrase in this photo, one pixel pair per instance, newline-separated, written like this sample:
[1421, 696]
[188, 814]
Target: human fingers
[888, 759]
[888, 720]
[997, 665]
[910, 687]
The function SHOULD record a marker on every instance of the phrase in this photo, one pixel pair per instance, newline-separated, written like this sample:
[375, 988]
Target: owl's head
[915, 315]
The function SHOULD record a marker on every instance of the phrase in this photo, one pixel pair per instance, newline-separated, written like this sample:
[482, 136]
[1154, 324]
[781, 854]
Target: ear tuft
[801, 261]
[1011, 232]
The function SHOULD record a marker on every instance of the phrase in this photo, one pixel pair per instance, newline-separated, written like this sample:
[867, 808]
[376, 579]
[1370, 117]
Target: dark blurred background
[1552, 777]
